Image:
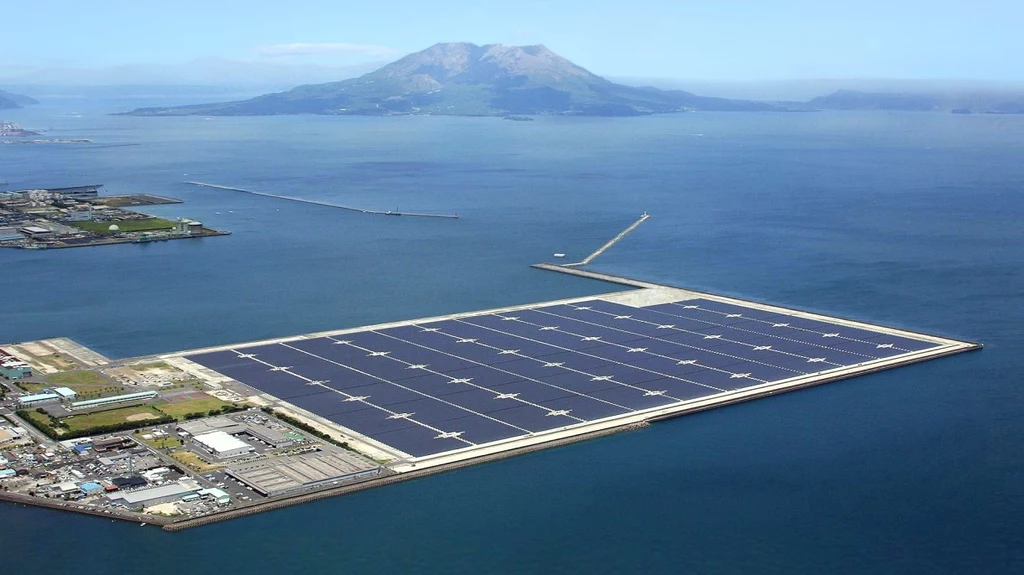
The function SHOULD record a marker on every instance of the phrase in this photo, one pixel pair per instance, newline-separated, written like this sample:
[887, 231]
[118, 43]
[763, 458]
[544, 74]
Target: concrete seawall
[388, 480]
[122, 515]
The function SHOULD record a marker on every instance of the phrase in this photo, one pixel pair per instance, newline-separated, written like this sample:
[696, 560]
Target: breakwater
[323, 203]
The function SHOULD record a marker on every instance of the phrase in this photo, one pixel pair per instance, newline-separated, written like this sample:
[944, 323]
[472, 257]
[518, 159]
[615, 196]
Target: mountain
[963, 102]
[461, 79]
[9, 100]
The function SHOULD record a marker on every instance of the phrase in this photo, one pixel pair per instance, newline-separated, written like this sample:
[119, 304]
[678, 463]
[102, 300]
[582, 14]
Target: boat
[559, 255]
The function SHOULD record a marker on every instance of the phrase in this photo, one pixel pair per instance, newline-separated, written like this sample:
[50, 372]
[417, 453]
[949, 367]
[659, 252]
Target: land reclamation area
[238, 429]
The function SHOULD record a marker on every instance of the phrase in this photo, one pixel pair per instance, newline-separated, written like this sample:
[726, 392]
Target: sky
[710, 39]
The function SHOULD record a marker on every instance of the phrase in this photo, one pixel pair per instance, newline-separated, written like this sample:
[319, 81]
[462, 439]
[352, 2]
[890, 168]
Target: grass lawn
[35, 417]
[109, 417]
[103, 228]
[162, 442]
[31, 386]
[87, 384]
[202, 405]
[192, 460]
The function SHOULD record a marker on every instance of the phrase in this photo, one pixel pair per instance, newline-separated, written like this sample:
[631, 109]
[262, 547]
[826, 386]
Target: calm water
[906, 219]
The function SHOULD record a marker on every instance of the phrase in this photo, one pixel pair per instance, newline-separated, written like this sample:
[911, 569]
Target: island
[78, 217]
[463, 79]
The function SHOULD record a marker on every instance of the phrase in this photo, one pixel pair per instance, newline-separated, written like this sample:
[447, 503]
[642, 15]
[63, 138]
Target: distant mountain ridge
[462, 79]
[973, 102]
[9, 100]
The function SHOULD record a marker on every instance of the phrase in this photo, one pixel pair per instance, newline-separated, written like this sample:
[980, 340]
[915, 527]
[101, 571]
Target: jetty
[610, 243]
[323, 203]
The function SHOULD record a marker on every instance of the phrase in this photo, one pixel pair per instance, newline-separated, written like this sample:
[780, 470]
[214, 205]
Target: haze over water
[911, 220]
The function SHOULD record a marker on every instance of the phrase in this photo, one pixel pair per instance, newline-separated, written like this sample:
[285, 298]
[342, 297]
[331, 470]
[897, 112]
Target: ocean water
[911, 220]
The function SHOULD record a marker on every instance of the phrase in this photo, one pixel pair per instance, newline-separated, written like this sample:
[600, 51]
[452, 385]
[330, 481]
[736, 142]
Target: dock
[323, 203]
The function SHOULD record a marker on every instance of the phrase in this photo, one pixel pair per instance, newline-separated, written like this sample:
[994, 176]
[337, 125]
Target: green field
[87, 384]
[32, 387]
[146, 225]
[192, 460]
[35, 418]
[109, 417]
[165, 442]
[180, 409]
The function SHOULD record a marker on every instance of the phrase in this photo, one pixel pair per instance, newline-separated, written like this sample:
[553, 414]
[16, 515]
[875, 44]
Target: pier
[611, 242]
[322, 203]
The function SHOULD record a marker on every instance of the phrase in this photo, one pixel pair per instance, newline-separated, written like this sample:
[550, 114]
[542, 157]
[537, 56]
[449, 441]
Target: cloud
[299, 49]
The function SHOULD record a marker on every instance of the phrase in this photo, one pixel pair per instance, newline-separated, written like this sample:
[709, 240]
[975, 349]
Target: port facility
[439, 390]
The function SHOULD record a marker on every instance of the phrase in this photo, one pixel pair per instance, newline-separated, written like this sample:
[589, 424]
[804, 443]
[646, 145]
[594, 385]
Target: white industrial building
[38, 399]
[141, 396]
[154, 495]
[66, 393]
[221, 444]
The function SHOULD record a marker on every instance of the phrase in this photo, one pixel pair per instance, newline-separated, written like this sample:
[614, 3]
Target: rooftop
[221, 442]
[143, 495]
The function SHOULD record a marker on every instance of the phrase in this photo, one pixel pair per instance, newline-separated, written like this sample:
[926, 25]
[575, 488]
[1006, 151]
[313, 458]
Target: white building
[38, 399]
[66, 393]
[154, 495]
[220, 444]
[104, 401]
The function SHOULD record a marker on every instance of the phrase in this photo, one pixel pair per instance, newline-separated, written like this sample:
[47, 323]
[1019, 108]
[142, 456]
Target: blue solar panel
[635, 399]
[480, 400]
[481, 430]
[417, 440]
[329, 403]
[534, 419]
[532, 391]
[578, 383]
[594, 359]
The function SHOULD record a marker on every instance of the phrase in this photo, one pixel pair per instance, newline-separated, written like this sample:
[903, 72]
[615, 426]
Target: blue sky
[720, 40]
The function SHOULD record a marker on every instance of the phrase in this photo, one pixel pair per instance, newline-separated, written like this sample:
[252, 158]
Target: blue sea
[907, 219]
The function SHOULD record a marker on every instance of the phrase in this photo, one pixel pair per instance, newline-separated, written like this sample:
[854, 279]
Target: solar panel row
[434, 387]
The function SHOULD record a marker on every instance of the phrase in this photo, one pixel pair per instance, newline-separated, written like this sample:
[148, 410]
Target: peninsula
[79, 216]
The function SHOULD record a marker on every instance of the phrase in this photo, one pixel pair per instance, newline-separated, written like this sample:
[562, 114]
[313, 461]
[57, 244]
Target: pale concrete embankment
[122, 515]
[390, 479]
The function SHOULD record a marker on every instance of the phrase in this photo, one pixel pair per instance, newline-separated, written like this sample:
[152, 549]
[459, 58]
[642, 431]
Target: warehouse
[222, 445]
[12, 367]
[154, 495]
[38, 399]
[218, 495]
[265, 434]
[113, 400]
[66, 393]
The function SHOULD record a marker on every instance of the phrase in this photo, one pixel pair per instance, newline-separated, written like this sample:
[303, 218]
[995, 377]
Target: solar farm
[437, 390]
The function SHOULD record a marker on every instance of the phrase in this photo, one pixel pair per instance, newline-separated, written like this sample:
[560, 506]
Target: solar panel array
[432, 387]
